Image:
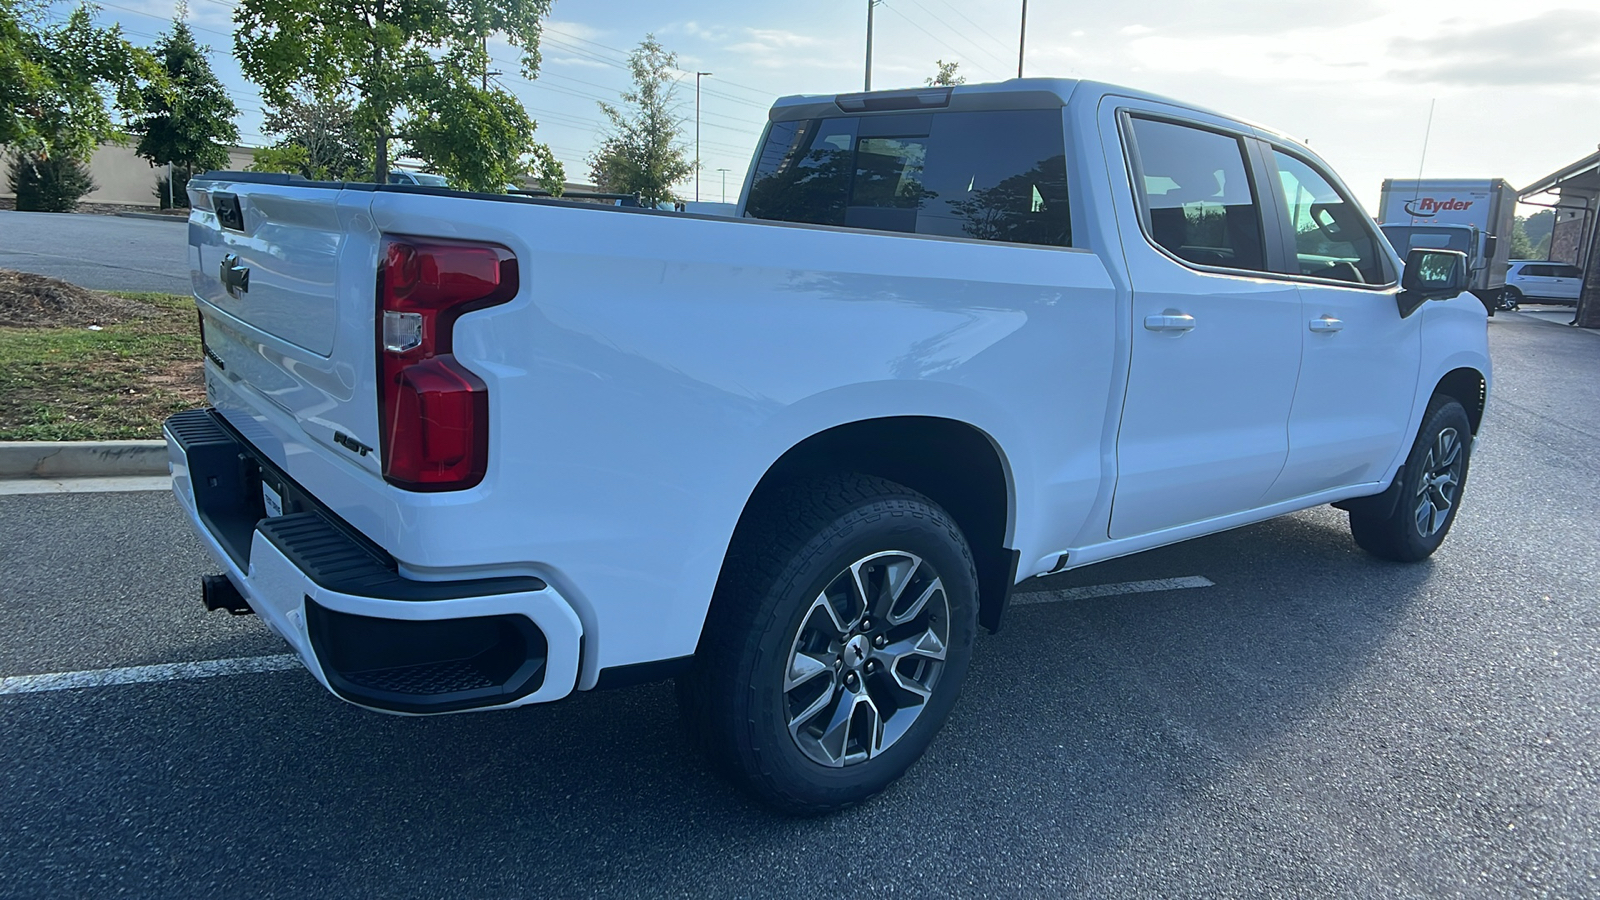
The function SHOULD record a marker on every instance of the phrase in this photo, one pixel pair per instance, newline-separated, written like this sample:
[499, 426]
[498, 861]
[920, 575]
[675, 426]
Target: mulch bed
[34, 301]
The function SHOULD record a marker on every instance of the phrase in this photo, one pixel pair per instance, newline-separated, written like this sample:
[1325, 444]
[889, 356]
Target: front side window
[994, 176]
[1331, 237]
[1197, 197]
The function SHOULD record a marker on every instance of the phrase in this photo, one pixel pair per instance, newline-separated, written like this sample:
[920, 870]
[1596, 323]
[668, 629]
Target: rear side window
[1561, 271]
[1197, 196]
[994, 176]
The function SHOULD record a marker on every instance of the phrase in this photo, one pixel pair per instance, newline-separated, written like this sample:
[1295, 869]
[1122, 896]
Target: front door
[1216, 340]
[1358, 380]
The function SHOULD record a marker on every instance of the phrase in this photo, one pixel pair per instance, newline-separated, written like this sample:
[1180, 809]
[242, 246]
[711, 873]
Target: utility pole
[870, 5]
[724, 184]
[697, 134]
[484, 81]
[1022, 37]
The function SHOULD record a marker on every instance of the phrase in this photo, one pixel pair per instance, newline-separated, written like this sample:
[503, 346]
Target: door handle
[1169, 322]
[1327, 325]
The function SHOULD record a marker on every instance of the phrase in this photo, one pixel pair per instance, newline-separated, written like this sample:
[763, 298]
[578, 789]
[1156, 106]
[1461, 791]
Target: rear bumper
[369, 634]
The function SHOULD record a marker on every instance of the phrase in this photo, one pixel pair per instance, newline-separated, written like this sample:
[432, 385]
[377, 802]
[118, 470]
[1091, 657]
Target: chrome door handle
[1327, 325]
[1179, 322]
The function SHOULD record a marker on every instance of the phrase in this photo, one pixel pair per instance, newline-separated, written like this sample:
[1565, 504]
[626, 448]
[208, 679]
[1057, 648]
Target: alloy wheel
[867, 656]
[1439, 484]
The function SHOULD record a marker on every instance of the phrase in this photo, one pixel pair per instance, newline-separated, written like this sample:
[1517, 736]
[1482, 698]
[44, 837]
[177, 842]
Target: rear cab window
[997, 175]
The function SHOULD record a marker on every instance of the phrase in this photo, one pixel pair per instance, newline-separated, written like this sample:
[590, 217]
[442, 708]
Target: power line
[957, 31]
[985, 32]
[936, 38]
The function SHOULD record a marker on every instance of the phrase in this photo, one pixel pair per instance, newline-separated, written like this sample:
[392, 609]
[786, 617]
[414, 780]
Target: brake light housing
[434, 412]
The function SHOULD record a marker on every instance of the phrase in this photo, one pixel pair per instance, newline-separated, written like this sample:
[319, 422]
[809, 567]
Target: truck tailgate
[283, 276]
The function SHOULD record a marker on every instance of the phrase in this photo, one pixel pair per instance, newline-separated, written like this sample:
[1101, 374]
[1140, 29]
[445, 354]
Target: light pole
[697, 134]
[870, 5]
[1022, 37]
[724, 184]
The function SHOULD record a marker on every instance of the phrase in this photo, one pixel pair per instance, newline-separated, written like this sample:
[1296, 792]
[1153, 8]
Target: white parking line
[1112, 590]
[66, 681]
[85, 485]
[211, 668]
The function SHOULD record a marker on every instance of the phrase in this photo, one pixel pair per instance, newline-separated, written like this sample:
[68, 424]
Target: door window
[1331, 237]
[1197, 197]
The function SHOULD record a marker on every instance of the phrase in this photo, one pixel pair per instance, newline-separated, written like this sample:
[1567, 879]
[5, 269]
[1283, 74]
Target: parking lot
[1312, 723]
[104, 253]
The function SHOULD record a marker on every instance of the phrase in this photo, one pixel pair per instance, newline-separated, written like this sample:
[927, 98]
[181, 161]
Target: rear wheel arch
[953, 463]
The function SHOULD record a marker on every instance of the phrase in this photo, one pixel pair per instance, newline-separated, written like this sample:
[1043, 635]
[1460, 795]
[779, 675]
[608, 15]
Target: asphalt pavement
[1314, 724]
[104, 253]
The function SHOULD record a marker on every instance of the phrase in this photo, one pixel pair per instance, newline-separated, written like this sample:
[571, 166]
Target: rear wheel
[1430, 489]
[837, 643]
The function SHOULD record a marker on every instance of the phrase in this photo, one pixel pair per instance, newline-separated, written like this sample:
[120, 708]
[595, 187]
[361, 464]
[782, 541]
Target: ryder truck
[1473, 215]
[469, 452]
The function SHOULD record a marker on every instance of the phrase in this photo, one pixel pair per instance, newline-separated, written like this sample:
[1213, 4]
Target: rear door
[1566, 282]
[1216, 340]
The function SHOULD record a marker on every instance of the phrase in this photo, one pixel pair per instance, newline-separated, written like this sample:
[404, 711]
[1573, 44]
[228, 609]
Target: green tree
[396, 58]
[318, 137]
[480, 138]
[946, 74]
[189, 121]
[49, 183]
[1520, 247]
[642, 154]
[55, 79]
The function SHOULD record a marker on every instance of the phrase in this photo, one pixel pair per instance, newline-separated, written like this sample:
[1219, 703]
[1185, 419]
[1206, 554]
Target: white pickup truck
[470, 452]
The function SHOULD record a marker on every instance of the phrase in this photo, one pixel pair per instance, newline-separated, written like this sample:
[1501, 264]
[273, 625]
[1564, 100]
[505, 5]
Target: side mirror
[1431, 275]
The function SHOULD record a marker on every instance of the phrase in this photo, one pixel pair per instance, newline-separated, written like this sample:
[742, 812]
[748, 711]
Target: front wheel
[1430, 489]
[838, 639]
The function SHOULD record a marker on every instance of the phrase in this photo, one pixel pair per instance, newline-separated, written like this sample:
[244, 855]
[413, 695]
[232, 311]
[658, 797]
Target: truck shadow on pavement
[1082, 724]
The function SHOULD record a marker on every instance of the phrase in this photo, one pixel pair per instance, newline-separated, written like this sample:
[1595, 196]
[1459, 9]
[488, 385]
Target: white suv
[1538, 279]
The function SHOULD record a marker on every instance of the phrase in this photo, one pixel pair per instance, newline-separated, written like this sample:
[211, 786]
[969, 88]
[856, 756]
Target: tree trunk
[1588, 312]
[380, 167]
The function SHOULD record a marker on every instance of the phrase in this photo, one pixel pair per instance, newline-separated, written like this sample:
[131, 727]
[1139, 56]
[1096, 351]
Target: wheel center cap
[855, 652]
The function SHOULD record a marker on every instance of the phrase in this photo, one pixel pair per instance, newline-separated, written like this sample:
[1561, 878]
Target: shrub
[49, 184]
[180, 189]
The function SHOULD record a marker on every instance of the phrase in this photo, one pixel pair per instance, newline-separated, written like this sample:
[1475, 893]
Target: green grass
[71, 384]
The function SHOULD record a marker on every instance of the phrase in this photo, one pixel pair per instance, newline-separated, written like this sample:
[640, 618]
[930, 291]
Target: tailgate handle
[229, 214]
[235, 276]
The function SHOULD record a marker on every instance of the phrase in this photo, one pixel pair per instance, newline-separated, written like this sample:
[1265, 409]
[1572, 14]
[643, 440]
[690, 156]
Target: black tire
[784, 563]
[1431, 476]
[1513, 296]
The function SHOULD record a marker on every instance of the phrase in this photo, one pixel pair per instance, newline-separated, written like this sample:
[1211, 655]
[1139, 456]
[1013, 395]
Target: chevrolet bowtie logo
[235, 276]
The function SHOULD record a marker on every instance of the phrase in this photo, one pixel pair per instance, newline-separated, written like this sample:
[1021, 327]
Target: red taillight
[435, 412]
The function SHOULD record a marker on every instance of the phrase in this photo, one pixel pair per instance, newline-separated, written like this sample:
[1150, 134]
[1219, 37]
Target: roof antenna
[1421, 162]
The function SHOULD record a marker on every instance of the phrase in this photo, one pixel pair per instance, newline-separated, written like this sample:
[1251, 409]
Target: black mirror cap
[1435, 273]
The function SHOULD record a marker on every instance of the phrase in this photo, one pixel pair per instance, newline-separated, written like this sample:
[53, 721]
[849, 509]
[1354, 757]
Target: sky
[1514, 87]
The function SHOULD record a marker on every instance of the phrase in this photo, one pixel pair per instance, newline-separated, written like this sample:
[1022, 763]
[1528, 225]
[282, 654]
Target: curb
[82, 459]
[156, 216]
